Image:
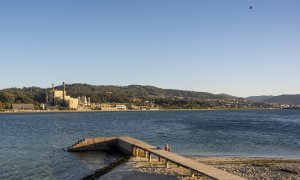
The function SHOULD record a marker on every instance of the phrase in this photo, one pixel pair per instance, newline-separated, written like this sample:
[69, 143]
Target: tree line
[133, 94]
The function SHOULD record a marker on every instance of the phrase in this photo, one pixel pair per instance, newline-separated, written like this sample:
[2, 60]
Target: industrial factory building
[22, 107]
[60, 98]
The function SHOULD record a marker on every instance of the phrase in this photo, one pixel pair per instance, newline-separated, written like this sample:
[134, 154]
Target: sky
[208, 45]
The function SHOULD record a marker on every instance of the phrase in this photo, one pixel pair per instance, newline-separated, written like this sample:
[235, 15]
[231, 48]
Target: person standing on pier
[167, 147]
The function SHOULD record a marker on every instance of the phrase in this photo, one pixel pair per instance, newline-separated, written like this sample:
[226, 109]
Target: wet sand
[249, 168]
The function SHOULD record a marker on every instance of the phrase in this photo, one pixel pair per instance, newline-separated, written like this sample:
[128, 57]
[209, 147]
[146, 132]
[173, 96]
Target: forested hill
[33, 95]
[127, 93]
[101, 93]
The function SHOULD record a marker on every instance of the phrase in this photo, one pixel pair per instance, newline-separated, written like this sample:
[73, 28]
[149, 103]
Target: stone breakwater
[137, 148]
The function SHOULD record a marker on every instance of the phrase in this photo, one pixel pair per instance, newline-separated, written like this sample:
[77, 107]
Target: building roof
[22, 106]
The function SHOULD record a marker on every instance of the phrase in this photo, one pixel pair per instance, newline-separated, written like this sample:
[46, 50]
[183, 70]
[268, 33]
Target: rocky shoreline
[256, 168]
[249, 168]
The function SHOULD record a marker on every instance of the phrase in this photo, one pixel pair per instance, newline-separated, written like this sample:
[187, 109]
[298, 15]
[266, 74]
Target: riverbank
[249, 168]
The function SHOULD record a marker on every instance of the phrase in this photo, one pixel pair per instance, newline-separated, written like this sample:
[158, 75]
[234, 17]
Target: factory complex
[58, 99]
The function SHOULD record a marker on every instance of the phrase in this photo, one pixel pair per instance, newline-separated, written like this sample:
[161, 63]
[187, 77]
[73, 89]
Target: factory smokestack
[64, 91]
[53, 95]
[64, 86]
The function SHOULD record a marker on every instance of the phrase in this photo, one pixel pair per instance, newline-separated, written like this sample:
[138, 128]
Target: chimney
[64, 86]
[64, 91]
[53, 95]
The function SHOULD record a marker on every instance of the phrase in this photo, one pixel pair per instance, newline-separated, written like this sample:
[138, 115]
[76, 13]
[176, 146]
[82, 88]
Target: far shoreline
[160, 110]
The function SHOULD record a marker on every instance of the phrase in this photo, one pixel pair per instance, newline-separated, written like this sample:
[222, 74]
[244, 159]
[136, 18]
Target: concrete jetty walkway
[134, 147]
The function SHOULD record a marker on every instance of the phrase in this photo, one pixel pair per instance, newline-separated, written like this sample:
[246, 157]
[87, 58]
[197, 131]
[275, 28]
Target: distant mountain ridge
[291, 99]
[105, 93]
[132, 95]
[259, 98]
[137, 91]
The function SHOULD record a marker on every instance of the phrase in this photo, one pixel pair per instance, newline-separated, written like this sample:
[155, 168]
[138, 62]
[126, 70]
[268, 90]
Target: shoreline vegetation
[247, 167]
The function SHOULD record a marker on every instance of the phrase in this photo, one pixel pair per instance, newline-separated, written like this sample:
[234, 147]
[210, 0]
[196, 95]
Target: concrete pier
[134, 147]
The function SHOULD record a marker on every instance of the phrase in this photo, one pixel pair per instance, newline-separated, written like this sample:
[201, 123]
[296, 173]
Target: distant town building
[144, 108]
[283, 106]
[18, 107]
[85, 102]
[121, 107]
[82, 101]
[42, 106]
[73, 103]
[112, 107]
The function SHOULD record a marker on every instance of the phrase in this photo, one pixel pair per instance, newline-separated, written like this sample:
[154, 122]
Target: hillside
[134, 95]
[32, 95]
[259, 98]
[125, 93]
[101, 93]
[282, 99]
[285, 99]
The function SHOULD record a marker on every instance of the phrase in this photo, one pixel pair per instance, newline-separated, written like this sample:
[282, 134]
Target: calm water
[32, 145]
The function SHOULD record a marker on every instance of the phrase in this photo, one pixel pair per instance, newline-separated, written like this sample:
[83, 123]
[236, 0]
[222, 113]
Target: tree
[7, 97]
[7, 106]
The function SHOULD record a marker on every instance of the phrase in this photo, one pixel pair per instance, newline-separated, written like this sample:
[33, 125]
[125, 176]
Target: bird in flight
[250, 7]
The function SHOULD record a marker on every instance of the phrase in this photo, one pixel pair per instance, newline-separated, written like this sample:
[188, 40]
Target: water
[32, 145]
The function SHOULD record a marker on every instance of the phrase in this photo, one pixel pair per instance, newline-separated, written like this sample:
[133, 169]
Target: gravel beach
[249, 168]
[256, 168]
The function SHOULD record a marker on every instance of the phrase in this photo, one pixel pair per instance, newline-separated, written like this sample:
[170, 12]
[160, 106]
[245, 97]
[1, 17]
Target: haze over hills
[291, 99]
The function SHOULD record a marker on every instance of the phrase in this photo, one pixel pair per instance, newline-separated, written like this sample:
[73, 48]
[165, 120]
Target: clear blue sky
[213, 46]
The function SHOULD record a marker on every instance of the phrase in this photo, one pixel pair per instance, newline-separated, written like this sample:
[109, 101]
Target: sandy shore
[249, 168]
